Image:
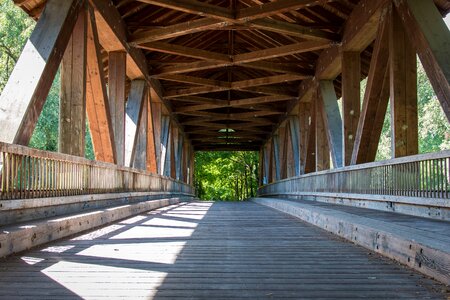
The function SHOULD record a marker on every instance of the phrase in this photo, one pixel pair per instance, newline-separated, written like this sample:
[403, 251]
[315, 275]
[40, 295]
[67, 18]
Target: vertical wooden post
[174, 143]
[282, 148]
[72, 116]
[179, 157]
[116, 84]
[304, 118]
[351, 100]
[310, 153]
[296, 144]
[165, 149]
[152, 165]
[332, 121]
[290, 164]
[24, 95]
[403, 90]
[139, 154]
[185, 162]
[97, 105]
[262, 164]
[157, 133]
[276, 156]
[134, 116]
[270, 167]
[191, 165]
[322, 148]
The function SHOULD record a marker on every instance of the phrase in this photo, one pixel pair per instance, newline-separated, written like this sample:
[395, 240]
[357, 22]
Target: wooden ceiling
[230, 69]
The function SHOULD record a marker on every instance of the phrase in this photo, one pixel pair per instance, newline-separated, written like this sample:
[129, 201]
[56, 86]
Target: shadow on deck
[211, 251]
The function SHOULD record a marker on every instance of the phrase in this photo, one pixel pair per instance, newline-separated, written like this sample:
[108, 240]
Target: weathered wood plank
[151, 159]
[72, 111]
[351, 102]
[322, 148]
[134, 116]
[332, 121]
[97, 105]
[403, 90]
[116, 86]
[25, 93]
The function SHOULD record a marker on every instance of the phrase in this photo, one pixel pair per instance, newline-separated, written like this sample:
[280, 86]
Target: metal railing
[425, 175]
[30, 173]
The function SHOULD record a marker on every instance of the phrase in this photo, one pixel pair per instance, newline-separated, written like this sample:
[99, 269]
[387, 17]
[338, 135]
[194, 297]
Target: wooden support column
[165, 146]
[151, 160]
[276, 156]
[322, 152]
[304, 118]
[430, 35]
[269, 158]
[135, 116]
[25, 93]
[179, 157]
[310, 153]
[261, 167]
[191, 165]
[185, 162]
[351, 101]
[282, 148]
[173, 141]
[403, 90]
[376, 98]
[332, 121]
[294, 123]
[157, 133]
[72, 112]
[116, 85]
[290, 164]
[97, 105]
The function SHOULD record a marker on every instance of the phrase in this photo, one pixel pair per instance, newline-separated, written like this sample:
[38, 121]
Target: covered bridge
[158, 80]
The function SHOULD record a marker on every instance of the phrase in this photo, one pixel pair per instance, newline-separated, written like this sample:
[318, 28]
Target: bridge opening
[226, 175]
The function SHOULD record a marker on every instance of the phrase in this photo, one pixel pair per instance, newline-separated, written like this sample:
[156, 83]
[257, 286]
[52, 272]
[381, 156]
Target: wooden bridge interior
[158, 80]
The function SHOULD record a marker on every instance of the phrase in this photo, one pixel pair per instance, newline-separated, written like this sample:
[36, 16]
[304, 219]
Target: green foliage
[15, 28]
[226, 176]
[434, 129]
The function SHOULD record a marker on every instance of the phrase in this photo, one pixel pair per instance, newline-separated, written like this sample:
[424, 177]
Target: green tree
[226, 176]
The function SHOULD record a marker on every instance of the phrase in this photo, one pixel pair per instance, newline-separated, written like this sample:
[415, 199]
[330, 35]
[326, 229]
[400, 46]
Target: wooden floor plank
[204, 250]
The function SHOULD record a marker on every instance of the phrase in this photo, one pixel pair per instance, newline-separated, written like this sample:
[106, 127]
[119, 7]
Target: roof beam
[293, 30]
[176, 30]
[186, 51]
[273, 8]
[194, 7]
[211, 24]
[266, 81]
[280, 51]
[194, 80]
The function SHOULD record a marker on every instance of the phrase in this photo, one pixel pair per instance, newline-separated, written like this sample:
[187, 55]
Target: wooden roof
[230, 70]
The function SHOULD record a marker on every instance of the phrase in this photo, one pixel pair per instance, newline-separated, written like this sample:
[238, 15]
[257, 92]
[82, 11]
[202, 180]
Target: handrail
[423, 175]
[31, 173]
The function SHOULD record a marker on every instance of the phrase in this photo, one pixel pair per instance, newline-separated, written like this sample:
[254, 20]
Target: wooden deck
[210, 251]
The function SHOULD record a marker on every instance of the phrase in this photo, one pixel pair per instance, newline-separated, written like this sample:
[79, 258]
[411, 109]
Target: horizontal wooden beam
[194, 80]
[185, 51]
[176, 30]
[194, 7]
[273, 8]
[189, 67]
[293, 30]
[266, 80]
[281, 51]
